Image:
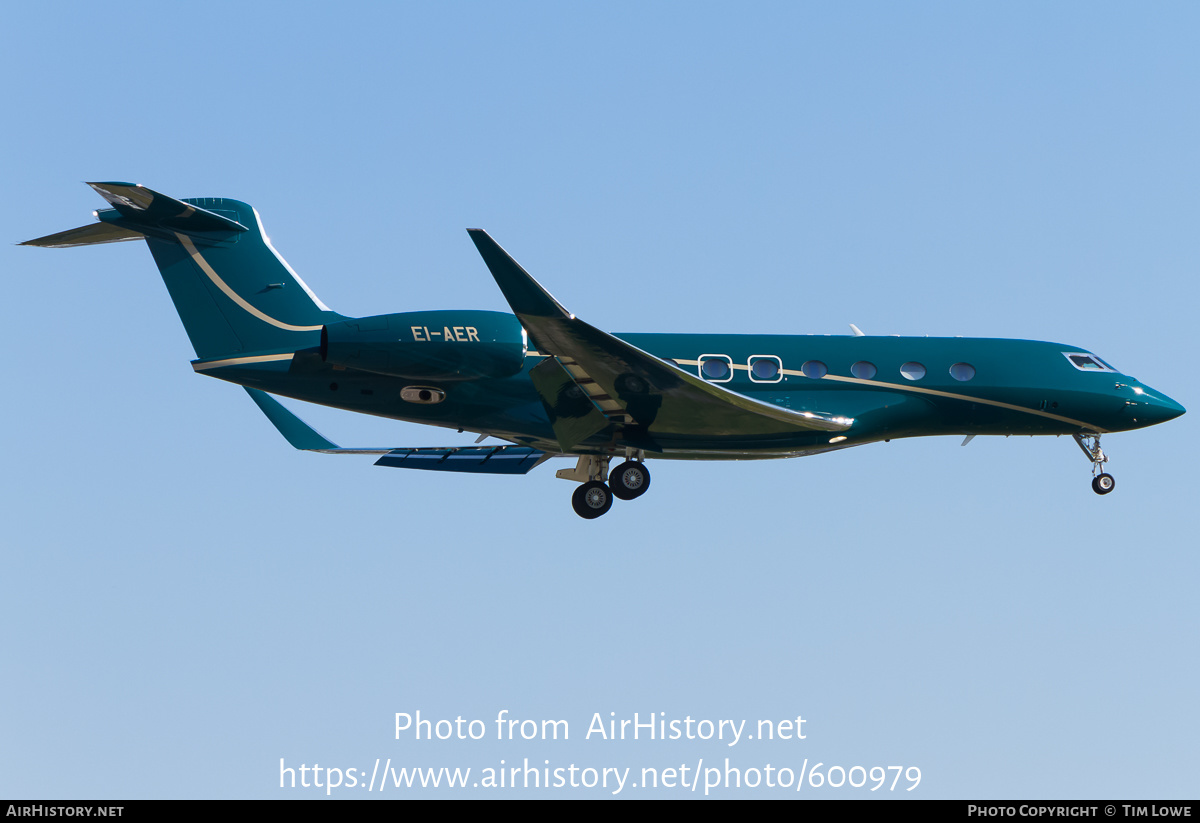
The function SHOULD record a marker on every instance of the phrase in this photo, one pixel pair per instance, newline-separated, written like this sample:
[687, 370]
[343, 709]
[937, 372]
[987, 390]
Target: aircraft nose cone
[1158, 408]
[1168, 409]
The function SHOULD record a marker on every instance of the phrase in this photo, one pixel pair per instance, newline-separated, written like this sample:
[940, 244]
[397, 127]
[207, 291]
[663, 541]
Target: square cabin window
[765, 368]
[716, 368]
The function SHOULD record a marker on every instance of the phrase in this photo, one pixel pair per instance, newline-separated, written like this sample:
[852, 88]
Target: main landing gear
[594, 496]
[1102, 483]
[629, 480]
[592, 499]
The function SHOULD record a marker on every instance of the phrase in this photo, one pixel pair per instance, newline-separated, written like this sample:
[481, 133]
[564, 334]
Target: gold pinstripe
[935, 392]
[230, 293]
[238, 361]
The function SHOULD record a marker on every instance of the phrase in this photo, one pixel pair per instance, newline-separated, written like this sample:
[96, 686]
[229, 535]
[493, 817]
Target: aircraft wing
[468, 459]
[631, 386]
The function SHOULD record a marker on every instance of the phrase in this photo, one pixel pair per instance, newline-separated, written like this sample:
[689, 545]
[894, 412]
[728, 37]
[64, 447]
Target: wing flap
[573, 414]
[468, 459]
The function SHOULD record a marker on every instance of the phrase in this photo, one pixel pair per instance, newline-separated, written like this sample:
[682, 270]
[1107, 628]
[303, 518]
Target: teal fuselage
[253, 321]
[1015, 387]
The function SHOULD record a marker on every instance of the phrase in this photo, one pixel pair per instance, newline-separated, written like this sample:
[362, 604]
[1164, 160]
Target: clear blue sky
[186, 600]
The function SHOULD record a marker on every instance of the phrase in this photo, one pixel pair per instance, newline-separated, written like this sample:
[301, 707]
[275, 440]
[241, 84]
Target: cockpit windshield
[1087, 362]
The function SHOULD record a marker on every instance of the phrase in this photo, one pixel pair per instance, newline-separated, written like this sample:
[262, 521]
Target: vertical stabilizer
[234, 293]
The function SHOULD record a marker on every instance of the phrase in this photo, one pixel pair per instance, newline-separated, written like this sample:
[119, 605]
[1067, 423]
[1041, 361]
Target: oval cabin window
[864, 370]
[814, 369]
[962, 372]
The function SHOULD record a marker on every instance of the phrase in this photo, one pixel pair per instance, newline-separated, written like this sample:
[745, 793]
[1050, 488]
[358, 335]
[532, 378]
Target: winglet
[524, 294]
[473, 459]
[301, 435]
[295, 431]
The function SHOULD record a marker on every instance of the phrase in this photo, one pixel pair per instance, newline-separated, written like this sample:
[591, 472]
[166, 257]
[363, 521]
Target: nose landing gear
[1102, 483]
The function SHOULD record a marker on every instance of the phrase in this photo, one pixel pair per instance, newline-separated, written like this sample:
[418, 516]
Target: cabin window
[716, 368]
[814, 369]
[912, 370]
[765, 368]
[1087, 362]
[962, 372]
[864, 370]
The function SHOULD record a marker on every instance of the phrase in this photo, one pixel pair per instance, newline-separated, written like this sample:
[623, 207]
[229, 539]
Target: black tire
[629, 480]
[1103, 483]
[591, 500]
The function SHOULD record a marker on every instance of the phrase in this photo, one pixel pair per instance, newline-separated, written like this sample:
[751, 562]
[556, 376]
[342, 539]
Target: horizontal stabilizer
[86, 236]
[469, 459]
[141, 212]
[140, 206]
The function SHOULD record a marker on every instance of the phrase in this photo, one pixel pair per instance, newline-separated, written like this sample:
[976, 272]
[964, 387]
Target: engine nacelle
[429, 345]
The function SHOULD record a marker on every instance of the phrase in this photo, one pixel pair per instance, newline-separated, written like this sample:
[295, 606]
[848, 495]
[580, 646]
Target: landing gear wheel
[1102, 483]
[591, 500]
[629, 480]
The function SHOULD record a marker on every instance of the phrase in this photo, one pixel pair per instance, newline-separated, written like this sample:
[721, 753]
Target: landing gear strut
[1102, 483]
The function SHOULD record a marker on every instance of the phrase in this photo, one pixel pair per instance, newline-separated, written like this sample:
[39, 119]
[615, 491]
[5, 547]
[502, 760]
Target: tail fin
[234, 293]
